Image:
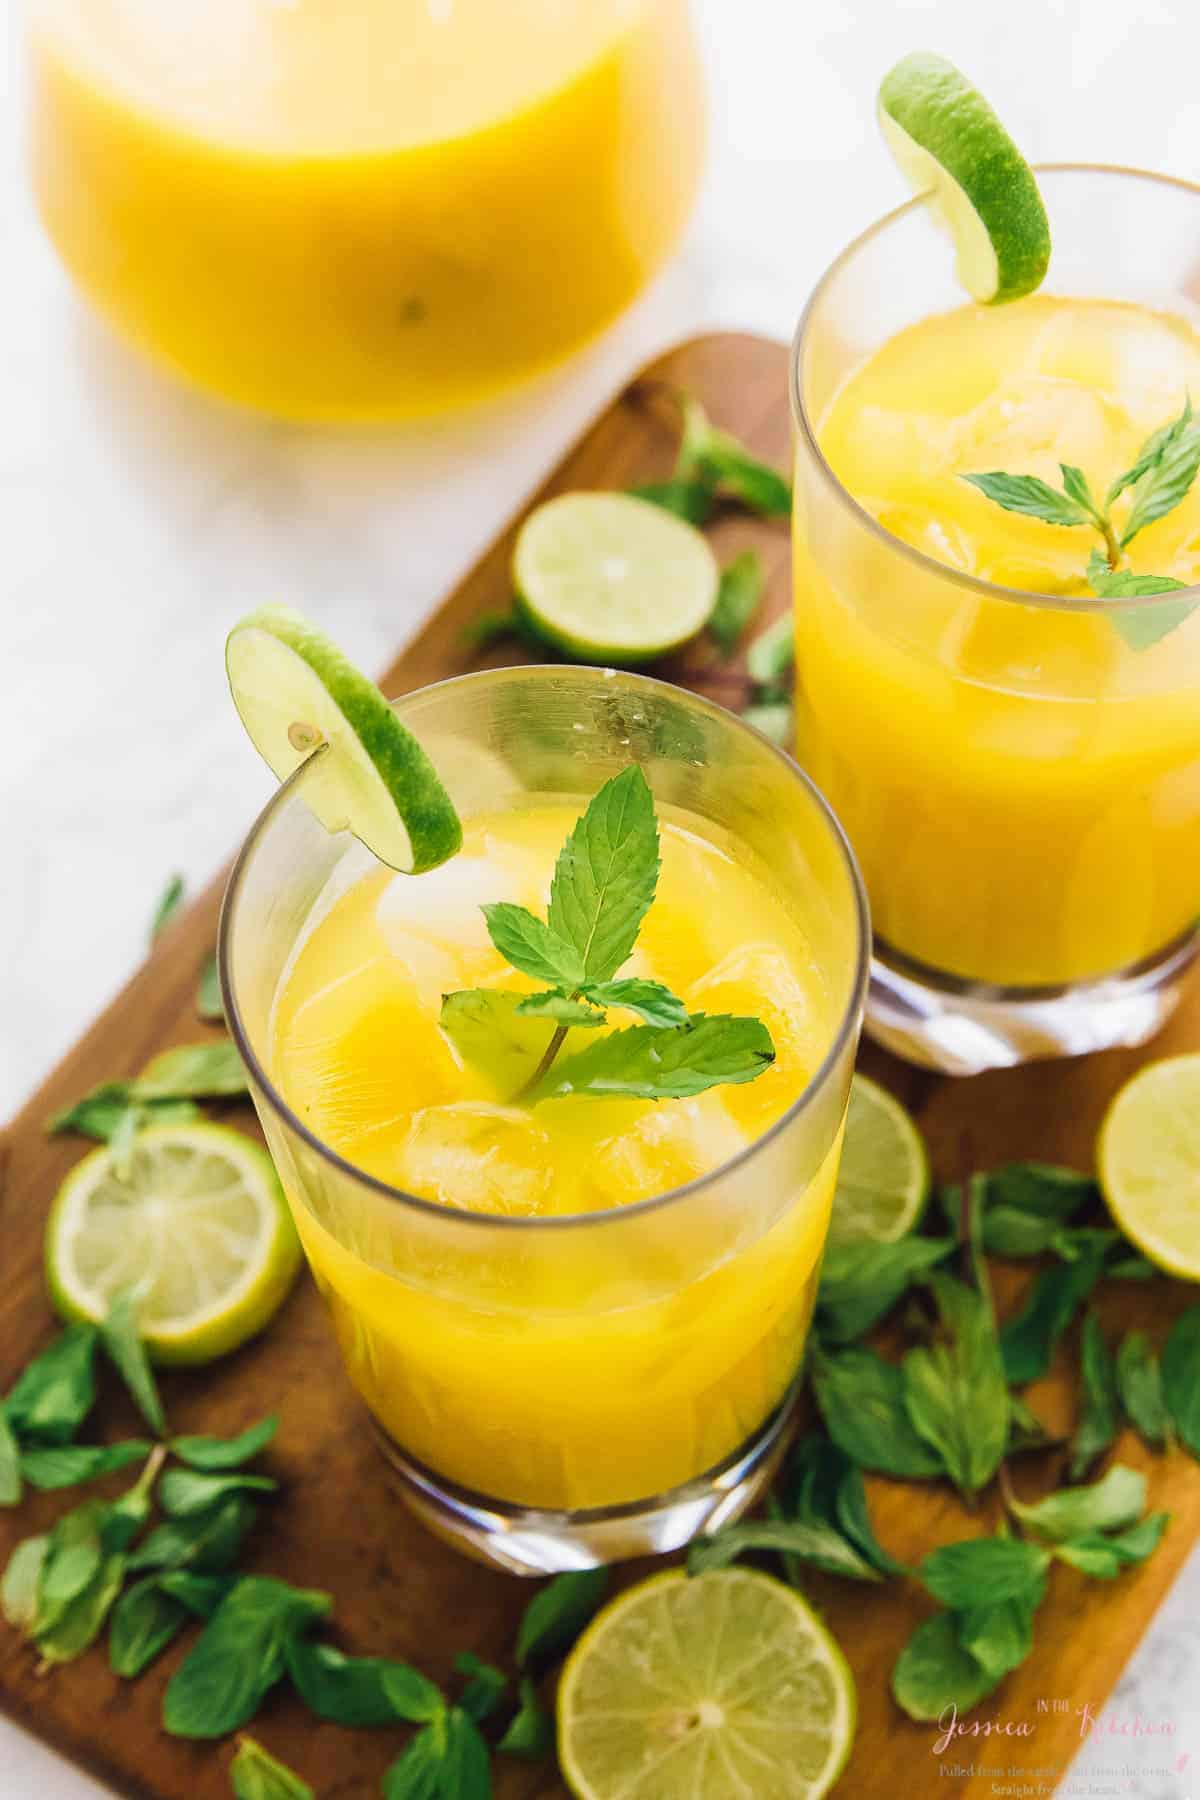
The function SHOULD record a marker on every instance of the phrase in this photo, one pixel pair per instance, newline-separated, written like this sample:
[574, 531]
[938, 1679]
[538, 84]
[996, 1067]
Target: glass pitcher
[373, 209]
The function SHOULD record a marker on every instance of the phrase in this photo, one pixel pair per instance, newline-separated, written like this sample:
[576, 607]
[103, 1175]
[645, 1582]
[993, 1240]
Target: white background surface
[136, 522]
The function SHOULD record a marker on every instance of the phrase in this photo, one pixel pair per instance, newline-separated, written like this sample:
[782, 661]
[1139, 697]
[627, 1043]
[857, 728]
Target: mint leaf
[1151, 452]
[192, 1072]
[530, 1732]
[771, 655]
[76, 1626]
[690, 500]
[955, 1393]
[1139, 1383]
[257, 1776]
[531, 946]
[238, 1658]
[168, 905]
[110, 1113]
[1165, 483]
[484, 1688]
[144, 1621]
[1075, 486]
[214, 1453]
[559, 1007]
[861, 1399]
[209, 1004]
[207, 1542]
[1099, 1417]
[1106, 1557]
[861, 1282]
[812, 1541]
[983, 1572]
[22, 1577]
[489, 1031]
[774, 719]
[67, 1465]
[1027, 1342]
[127, 1353]
[185, 1492]
[1043, 1189]
[935, 1671]
[715, 456]
[466, 1764]
[359, 1691]
[605, 877]
[10, 1463]
[418, 1773]
[739, 597]
[999, 1637]
[1030, 495]
[1011, 1233]
[650, 1000]
[56, 1391]
[557, 1614]
[647, 1063]
[1180, 1377]
[1104, 1505]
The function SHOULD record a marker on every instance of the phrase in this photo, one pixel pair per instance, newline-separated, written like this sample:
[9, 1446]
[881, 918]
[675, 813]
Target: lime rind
[1148, 1159]
[949, 143]
[296, 694]
[884, 1178]
[199, 1228]
[610, 578]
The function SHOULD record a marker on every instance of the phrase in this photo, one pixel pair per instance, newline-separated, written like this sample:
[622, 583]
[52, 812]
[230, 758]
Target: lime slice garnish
[949, 144]
[883, 1182]
[296, 694]
[199, 1229]
[1148, 1155]
[704, 1687]
[610, 578]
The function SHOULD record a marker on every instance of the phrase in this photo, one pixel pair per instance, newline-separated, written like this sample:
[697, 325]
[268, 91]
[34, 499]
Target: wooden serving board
[339, 1524]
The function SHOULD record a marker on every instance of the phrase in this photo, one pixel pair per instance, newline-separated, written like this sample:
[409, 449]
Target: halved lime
[949, 144]
[704, 1687]
[610, 578]
[296, 694]
[883, 1182]
[1148, 1155]
[200, 1229]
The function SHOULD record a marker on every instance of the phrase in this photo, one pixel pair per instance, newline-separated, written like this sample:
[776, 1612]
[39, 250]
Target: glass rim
[847, 1026]
[1083, 603]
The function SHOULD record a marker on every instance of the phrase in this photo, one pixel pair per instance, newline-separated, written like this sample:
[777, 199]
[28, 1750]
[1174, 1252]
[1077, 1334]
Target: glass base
[962, 1028]
[525, 1540]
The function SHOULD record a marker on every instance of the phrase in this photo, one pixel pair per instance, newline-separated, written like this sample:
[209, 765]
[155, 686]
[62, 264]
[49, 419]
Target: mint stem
[548, 1055]
[1111, 545]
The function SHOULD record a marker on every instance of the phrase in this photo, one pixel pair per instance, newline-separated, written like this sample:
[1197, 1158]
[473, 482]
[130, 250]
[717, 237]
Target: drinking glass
[555, 1392]
[1026, 811]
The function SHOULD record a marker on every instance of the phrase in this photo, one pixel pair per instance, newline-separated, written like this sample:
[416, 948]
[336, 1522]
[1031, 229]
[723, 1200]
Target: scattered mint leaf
[169, 903]
[206, 1543]
[1030, 495]
[770, 656]
[1166, 481]
[56, 1391]
[1106, 1505]
[1043, 1189]
[22, 1577]
[10, 1463]
[810, 1540]
[715, 457]
[984, 1572]
[689, 500]
[1107, 1557]
[359, 1691]
[213, 1453]
[861, 1399]
[530, 1732]
[557, 1614]
[209, 1004]
[1027, 1341]
[653, 1003]
[647, 1063]
[484, 1689]
[935, 1671]
[466, 1763]
[1099, 1417]
[1180, 1378]
[860, 1282]
[66, 1465]
[999, 1637]
[238, 1658]
[491, 628]
[1151, 452]
[145, 1620]
[185, 1492]
[955, 1392]
[193, 1072]
[110, 1113]
[77, 1626]
[775, 719]
[606, 875]
[739, 597]
[418, 1772]
[489, 1031]
[1131, 1268]
[1009, 1232]
[127, 1353]
[1139, 1383]
[561, 1009]
[255, 1775]
[530, 946]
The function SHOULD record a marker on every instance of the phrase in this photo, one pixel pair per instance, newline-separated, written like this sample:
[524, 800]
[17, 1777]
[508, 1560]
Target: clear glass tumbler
[560, 1391]
[1021, 787]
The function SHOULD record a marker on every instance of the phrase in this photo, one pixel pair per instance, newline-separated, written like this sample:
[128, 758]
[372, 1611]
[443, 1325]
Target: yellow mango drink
[587, 1310]
[389, 208]
[1015, 758]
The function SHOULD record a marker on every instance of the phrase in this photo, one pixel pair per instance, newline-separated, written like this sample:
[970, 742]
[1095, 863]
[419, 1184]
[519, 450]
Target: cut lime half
[200, 1230]
[703, 1688]
[950, 145]
[1148, 1156]
[610, 578]
[297, 694]
[883, 1181]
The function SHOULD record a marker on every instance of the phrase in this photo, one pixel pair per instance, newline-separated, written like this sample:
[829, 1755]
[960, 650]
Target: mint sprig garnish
[1157, 480]
[604, 884]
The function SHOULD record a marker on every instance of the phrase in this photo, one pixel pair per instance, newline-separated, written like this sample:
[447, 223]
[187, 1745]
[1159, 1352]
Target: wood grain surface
[339, 1525]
